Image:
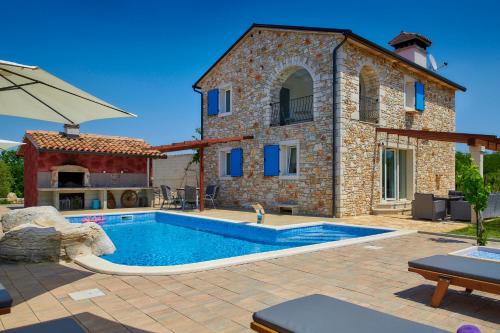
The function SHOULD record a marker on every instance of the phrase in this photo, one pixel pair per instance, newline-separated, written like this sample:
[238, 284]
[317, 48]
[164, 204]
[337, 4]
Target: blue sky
[143, 56]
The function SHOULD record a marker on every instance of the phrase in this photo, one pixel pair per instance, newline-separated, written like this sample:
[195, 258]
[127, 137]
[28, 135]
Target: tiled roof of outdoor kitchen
[90, 143]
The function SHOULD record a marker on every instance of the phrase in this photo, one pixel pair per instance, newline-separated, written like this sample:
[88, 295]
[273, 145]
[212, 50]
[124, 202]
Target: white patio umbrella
[6, 144]
[31, 92]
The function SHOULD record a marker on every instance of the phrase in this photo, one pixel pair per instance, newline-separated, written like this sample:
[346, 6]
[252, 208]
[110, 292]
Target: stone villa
[313, 98]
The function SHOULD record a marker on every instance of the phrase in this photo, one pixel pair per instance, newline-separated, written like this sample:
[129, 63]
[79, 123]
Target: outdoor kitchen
[73, 171]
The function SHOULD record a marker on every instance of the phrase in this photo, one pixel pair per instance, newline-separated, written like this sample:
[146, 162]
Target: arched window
[368, 95]
[292, 97]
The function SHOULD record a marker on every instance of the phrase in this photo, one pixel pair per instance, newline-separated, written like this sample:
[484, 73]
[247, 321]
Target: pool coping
[97, 264]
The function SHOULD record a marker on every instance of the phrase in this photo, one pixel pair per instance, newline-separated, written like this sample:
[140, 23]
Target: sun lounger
[63, 325]
[469, 273]
[5, 300]
[319, 313]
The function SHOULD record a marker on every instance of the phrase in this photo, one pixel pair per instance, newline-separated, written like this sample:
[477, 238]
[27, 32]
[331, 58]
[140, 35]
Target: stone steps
[392, 208]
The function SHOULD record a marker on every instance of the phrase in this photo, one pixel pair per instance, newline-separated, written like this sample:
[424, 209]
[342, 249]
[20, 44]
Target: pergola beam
[490, 142]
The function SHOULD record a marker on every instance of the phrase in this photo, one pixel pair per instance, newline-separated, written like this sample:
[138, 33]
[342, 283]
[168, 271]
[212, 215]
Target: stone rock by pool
[38, 234]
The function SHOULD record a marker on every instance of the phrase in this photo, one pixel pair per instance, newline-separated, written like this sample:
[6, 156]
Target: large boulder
[40, 234]
[46, 216]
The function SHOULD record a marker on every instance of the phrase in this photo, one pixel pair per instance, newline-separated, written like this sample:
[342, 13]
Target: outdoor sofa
[5, 300]
[322, 314]
[469, 273]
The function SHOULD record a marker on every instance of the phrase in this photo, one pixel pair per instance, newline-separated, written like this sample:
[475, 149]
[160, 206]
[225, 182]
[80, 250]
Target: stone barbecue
[74, 171]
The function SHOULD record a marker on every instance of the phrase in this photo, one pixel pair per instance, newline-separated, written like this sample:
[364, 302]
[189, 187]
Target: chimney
[72, 131]
[411, 46]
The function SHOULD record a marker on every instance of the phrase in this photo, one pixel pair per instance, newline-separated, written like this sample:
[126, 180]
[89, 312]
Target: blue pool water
[485, 253]
[161, 239]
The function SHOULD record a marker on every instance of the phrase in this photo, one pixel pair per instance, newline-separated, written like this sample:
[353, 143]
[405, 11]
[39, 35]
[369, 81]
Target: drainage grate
[86, 294]
[127, 217]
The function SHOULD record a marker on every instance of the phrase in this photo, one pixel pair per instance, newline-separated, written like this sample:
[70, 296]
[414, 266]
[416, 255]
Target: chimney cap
[409, 38]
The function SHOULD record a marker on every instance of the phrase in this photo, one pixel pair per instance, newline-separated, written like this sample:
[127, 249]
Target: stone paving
[222, 300]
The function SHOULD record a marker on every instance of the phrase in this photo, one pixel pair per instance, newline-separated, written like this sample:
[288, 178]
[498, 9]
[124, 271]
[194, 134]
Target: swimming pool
[155, 239]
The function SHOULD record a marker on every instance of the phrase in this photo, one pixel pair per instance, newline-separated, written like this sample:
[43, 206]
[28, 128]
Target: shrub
[5, 180]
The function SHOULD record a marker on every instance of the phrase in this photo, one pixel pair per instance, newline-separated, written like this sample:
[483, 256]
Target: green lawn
[492, 226]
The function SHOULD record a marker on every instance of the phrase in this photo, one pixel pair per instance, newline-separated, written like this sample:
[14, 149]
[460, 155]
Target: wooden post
[202, 181]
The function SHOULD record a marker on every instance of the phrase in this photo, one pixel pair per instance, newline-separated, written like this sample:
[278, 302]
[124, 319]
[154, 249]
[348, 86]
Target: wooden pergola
[476, 142]
[200, 145]
[490, 142]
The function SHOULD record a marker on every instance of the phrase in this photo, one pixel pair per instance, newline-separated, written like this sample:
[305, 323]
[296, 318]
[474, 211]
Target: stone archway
[369, 95]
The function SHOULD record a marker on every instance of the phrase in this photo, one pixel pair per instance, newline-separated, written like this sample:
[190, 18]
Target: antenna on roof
[434, 65]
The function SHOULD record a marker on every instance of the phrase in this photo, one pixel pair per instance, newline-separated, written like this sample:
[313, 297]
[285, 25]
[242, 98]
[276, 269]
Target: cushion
[5, 299]
[62, 325]
[460, 266]
[319, 313]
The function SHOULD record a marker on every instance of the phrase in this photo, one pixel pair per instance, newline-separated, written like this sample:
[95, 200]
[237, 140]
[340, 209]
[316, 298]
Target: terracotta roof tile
[91, 143]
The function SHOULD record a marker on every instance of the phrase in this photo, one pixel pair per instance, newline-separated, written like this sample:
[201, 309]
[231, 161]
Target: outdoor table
[181, 189]
[448, 199]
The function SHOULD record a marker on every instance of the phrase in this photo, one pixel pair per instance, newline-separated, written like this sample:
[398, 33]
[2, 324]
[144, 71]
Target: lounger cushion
[63, 325]
[5, 299]
[319, 313]
[460, 266]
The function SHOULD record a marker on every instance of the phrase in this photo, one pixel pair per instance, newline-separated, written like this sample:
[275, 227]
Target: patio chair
[322, 314]
[62, 325]
[5, 300]
[211, 194]
[460, 210]
[167, 195]
[426, 207]
[190, 197]
[469, 273]
[493, 208]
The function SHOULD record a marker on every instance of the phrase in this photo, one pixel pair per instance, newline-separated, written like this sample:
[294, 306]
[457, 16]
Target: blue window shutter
[236, 162]
[419, 96]
[213, 102]
[272, 160]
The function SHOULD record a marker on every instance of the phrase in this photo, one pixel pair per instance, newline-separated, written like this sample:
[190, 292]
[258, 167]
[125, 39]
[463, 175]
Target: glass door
[394, 174]
[389, 174]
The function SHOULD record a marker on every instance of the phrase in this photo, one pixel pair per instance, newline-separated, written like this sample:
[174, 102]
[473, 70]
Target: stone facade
[258, 66]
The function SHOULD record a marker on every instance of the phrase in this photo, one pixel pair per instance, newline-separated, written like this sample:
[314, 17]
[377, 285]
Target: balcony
[297, 110]
[368, 109]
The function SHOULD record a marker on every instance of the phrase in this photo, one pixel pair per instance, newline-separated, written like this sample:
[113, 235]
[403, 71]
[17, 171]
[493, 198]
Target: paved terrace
[222, 300]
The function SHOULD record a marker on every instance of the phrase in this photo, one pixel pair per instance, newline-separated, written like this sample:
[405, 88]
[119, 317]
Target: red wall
[35, 161]
[95, 163]
[30, 175]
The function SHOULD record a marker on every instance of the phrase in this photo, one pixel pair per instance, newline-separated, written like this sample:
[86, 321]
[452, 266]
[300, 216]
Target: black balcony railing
[368, 109]
[298, 110]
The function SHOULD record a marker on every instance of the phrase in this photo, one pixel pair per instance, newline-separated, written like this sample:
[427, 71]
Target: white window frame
[407, 81]
[223, 152]
[284, 145]
[222, 100]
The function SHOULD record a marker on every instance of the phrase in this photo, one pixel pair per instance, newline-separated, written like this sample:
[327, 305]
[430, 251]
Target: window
[231, 162]
[225, 163]
[225, 100]
[289, 159]
[414, 95]
[409, 94]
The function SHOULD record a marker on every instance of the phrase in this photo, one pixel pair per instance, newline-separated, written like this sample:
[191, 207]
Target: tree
[5, 179]
[16, 168]
[462, 162]
[476, 193]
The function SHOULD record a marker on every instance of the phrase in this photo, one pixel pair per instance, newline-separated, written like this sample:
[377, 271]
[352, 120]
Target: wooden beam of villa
[490, 142]
[195, 144]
